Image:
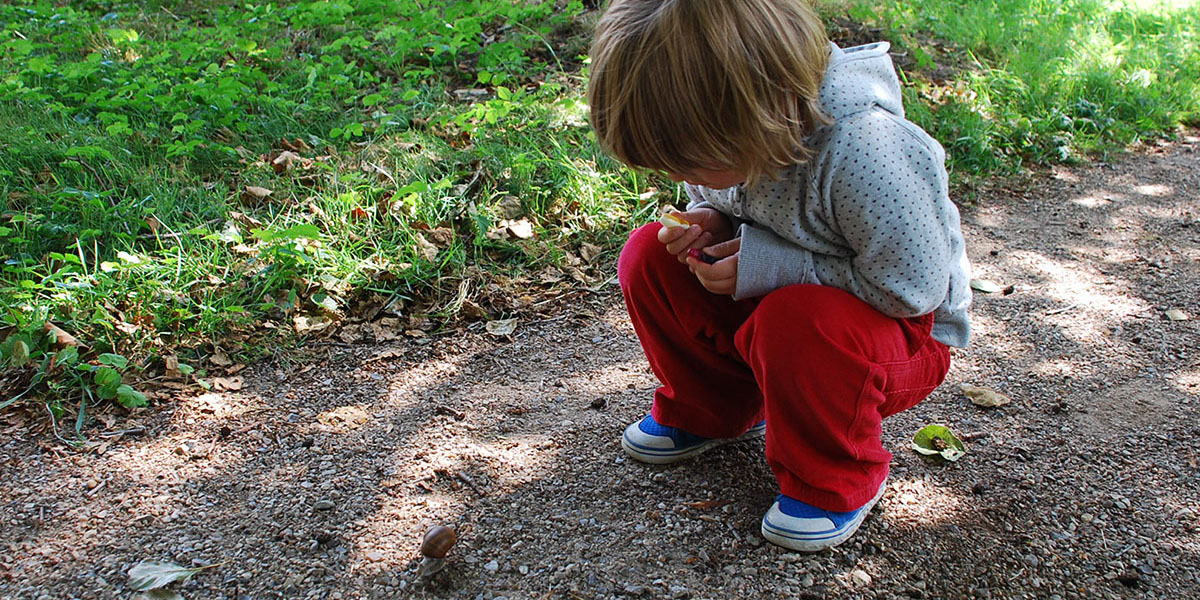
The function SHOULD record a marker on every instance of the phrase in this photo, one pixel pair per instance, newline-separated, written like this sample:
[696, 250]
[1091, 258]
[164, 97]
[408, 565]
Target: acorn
[437, 542]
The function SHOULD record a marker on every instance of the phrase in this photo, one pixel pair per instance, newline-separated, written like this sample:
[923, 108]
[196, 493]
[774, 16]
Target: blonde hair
[680, 85]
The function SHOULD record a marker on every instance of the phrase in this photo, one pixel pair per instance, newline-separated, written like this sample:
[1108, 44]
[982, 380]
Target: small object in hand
[434, 547]
[699, 255]
[673, 220]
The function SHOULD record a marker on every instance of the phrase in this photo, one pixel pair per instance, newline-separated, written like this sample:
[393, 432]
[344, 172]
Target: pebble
[492, 566]
[323, 505]
[808, 581]
[860, 577]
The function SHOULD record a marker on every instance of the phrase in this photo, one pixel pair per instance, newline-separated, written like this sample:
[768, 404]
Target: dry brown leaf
[589, 252]
[254, 193]
[286, 161]
[227, 384]
[428, 250]
[306, 324]
[981, 396]
[441, 236]
[171, 363]
[386, 329]
[219, 358]
[521, 229]
[502, 327]
[62, 339]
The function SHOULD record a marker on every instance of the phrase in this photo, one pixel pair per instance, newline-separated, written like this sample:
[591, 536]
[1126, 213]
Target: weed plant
[182, 176]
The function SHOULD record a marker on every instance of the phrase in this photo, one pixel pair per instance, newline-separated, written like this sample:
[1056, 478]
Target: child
[840, 277]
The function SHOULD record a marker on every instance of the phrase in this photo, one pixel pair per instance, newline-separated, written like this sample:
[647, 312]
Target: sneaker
[799, 526]
[656, 444]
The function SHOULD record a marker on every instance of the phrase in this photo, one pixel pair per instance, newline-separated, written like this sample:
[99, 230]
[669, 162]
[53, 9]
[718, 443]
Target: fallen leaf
[442, 237]
[285, 161]
[938, 442]
[62, 339]
[151, 574]
[254, 193]
[305, 324]
[589, 252]
[981, 396]
[1176, 315]
[219, 358]
[521, 229]
[228, 384]
[501, 326]
[344, 415]
[386, 329]
[426, 249]
[171, 366]
[986, 286]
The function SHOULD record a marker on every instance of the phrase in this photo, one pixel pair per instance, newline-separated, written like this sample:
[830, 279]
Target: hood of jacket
[858, 79]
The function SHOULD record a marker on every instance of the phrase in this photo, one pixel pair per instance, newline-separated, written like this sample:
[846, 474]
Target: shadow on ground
[317, 481]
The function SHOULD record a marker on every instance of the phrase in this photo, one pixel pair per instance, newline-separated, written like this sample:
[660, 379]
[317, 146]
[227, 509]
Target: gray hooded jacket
[869, 213]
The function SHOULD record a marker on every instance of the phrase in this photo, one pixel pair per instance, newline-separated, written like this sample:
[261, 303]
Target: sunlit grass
[1046, 81]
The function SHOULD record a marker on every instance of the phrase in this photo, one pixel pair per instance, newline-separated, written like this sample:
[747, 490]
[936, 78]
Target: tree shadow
[318, 482]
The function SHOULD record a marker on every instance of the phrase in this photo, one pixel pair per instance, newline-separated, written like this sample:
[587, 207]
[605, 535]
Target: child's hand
[719, 277]
[708, 226]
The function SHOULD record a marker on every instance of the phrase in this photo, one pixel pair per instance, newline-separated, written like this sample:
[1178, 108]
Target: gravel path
[317, 480]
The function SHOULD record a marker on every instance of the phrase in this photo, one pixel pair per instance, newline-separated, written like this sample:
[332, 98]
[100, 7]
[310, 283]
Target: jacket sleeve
[887, 197]
[767, 261]
[884, 194]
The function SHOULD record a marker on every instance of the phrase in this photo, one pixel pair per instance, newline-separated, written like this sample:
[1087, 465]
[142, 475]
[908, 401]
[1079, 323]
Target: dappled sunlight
[1155, 190]
[1190, 380]
[1058, 367]
[1100, 199]
[434, 484]
[918, 502]
[1080, 286]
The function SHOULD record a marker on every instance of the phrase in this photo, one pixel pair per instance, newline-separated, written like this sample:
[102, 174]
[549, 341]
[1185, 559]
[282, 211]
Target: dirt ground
[317, 480]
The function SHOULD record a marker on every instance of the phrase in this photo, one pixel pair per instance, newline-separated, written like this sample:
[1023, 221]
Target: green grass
[1038, 81]
[132, 131]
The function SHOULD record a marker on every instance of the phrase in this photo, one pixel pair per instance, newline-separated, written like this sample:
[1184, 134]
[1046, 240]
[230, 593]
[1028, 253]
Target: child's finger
[725, 268]
[724, 249]
[684, 240]
[718, 285]
[667, 235]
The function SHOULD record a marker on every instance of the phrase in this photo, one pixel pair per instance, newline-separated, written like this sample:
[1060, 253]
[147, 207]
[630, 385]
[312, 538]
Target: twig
[93, 491]
[471, 483]
[1061, 310]
[122, 432]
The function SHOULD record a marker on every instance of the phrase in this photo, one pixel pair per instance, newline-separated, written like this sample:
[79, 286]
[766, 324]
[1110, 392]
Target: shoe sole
[661, 456]
[785, 538]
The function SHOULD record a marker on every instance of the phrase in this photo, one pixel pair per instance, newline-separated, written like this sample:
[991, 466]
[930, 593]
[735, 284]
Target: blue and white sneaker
[649, 442]
[800, 526]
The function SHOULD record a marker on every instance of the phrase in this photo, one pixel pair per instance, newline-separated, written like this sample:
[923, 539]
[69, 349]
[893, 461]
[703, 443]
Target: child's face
[708, 178]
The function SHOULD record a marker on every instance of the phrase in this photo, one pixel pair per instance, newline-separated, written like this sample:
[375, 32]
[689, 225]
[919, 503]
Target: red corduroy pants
[821, 366]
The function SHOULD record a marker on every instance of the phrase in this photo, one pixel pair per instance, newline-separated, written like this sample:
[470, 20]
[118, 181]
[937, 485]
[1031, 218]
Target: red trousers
[821, 366]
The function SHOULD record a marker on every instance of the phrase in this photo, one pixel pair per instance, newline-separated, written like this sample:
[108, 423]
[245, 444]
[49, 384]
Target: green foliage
[1033, 82]
[133, 130]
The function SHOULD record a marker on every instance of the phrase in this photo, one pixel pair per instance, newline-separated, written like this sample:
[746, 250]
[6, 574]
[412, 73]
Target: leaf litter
[985, 397]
